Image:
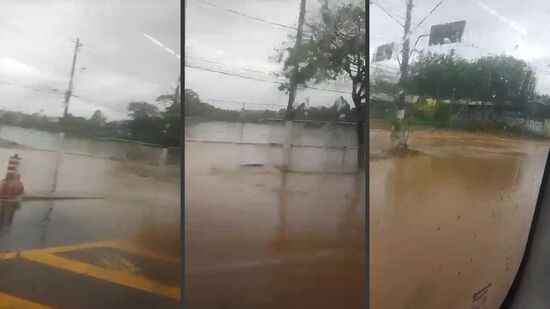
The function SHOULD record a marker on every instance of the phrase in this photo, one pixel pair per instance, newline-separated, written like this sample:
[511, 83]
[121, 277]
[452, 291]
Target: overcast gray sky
[516, 28]
[37, 39]
[215, 35]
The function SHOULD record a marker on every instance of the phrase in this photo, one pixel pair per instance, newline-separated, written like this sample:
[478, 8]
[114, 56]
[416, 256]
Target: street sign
[447, 33]
[384, 52]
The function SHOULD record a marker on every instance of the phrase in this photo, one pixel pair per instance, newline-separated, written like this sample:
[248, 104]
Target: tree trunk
[360, 144]
[360, 110]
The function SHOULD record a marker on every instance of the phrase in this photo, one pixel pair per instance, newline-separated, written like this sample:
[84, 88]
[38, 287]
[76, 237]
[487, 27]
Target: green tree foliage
[148, 124]
[501, 80]
[172, 120]
[336, 47]
[442, 113]
[142, 110]
[98, 118]
[195, 108]
[383, 86]
[145, 122]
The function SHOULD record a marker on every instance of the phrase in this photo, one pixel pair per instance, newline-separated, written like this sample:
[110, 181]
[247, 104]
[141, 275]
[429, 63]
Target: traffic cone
[12, 187]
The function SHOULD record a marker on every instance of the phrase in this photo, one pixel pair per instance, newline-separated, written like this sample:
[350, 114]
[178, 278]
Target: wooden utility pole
[61, 136]
[293, 79]
[69, 92]
[401, 100]
[287, 144]
[406, 42]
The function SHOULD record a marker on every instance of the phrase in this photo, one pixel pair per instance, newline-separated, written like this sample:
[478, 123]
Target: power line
[386, 6]
[95, 103]
[241, 68]
[389, 6]
[431, 12]
[50, 90]
[243, 102]
[56, 91]
[387, 13]
[247, 15]
[227, 65]
[260, 80]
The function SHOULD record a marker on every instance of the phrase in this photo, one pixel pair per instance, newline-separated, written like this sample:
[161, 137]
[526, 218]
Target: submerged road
[259, 238]
[450, 220]
[117, 252]
[85, 254]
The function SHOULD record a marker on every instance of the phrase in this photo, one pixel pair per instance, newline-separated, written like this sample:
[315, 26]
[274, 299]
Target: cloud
[121, 65]
[13, 67]
[17, 72]
[117, 90]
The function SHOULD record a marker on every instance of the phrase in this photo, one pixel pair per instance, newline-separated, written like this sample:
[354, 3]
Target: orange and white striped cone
[12, 187]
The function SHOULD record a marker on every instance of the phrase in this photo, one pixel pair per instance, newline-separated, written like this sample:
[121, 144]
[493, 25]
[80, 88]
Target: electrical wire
[397, 11]
[246, 15]
[95, 103]
[242, 68]
[431, 12]
[50, 90]
[260, 80]
[387, 13]
[227, 65]
[243, 102]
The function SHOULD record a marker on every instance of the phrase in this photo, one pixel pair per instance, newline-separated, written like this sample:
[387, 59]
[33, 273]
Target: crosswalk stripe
[119, 277]
[12, 302]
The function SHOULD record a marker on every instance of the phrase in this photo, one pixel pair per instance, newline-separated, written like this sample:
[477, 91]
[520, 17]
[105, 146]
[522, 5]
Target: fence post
[163, 157]
[344, 158]
[58, 155]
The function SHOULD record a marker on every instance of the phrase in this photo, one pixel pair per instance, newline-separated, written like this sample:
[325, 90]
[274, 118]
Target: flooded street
[256, 237]
[452, 219]
[134, 197]
[124, 244]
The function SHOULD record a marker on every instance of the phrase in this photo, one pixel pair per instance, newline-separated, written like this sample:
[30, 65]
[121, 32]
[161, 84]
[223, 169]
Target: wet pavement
[117, 252]
[451, 221]
[259, 238]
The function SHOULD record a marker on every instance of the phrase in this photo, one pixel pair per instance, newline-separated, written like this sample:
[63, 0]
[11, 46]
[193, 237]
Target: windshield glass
[459, 121]
[274, 160]
[90, 154]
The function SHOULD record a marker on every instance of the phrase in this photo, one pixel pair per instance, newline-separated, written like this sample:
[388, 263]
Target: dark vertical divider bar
[182, 165]
[367, 166]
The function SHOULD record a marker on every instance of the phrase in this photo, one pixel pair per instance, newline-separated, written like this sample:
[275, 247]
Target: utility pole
[404, 71]
[292, 90]
[293, 79]
[61, 136]
[69, 92]
[406, 41]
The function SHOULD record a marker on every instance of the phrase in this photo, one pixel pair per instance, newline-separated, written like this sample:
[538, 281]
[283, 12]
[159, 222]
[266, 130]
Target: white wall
[219, 144]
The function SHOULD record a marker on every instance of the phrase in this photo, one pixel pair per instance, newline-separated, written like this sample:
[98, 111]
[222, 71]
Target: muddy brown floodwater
[259, 238]
[141, 205]
[450, 220]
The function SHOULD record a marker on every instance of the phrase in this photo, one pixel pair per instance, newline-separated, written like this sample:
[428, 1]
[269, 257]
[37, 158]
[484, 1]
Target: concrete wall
[326, 148]
[304, 134]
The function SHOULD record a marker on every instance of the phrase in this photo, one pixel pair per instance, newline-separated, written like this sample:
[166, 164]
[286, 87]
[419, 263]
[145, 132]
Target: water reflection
[45, 223]
[7, 213]
[281, 231]
[317, 263]
[257, 237]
